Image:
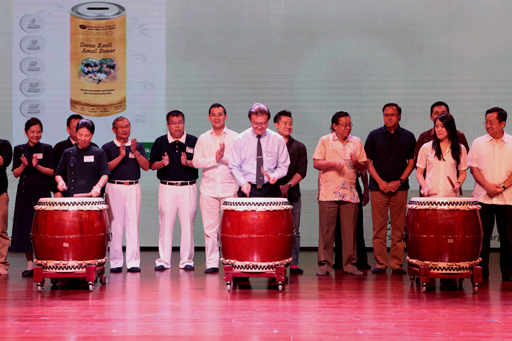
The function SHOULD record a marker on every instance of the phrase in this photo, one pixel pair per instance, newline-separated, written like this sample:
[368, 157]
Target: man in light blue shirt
[244, 164]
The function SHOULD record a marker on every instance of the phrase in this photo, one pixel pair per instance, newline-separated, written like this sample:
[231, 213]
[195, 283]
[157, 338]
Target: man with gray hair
[125, 159]
[259, 156]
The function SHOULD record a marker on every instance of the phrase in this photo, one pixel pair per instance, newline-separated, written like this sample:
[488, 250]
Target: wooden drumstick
[82, 195]
[451, 182]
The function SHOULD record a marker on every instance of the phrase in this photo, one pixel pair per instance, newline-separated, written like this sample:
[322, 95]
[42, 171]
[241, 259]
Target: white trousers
[210, 212]
[183, 201]
[124, 213]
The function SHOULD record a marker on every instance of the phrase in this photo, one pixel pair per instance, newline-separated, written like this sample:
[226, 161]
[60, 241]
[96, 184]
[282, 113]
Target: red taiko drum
[444, 231]
[70, 233]
[256, 234]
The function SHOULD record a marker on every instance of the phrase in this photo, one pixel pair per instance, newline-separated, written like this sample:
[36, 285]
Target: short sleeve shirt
[336, 185]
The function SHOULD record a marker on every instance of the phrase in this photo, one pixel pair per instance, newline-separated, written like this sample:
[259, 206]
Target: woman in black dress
[33, 164]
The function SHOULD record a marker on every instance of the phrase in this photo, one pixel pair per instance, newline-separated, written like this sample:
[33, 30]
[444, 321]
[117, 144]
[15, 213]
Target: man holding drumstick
[259, 156]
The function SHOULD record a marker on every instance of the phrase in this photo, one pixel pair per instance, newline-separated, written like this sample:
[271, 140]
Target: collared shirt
[81, 169]
[31, 176]
[6, 154]
[438, 170]
[174, 171]
[58, 150]
[298, 165]
[494, 160]
[128, 168]
[336, 185]
[390, 154]
[428, 136]
[61, 146]
[242, 162]
[217, 180]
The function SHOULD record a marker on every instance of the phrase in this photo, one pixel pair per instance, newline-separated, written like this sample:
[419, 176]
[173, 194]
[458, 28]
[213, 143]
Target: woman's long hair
[449, 124]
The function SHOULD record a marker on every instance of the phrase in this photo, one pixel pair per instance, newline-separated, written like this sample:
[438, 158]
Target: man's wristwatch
[503, 186]
[289, 185]
[401, 181]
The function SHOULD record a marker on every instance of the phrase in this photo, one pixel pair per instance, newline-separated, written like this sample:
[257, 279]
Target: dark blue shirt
[174, 171]
[390, 153]
[81, 169]
[128, 168]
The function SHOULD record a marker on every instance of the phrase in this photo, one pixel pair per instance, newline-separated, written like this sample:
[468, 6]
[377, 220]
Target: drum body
[256, 230]
[70, 233]
[446, 230]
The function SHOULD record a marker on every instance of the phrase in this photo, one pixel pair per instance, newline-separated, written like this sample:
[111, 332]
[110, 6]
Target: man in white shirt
[213, 149]
[490, 162]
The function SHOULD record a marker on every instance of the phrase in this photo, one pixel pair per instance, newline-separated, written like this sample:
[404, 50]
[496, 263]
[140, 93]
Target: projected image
[96, 60]
[97, 38]
[94, 71]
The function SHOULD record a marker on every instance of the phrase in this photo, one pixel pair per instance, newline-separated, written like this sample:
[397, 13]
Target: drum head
[71, 203]
[440, 201]
[256, 204]
[424, 202]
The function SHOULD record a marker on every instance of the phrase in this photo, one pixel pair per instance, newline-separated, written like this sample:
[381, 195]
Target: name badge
[89, 158]
[189, 150]
[39, 156]
[131, 156]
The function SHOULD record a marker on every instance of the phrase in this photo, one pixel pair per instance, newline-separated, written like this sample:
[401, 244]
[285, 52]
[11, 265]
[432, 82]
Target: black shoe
[133, 269]
[188, 267]
[400, 271]
[116, 270]
[159, 268]
[211, 270]
[295, 269]
[378, 271]
[27, 273]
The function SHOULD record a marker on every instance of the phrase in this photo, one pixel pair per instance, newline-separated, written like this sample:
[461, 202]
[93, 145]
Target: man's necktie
[259, 163]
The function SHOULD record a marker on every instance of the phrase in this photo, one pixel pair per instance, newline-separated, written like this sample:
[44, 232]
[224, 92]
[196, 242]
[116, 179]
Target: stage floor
[191, 305]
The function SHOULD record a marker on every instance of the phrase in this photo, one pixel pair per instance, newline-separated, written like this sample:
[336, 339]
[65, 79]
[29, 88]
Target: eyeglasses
[492, 124]
[255, 124]
[122, 128]
[390, 115]
[346, 125]
[176, 123]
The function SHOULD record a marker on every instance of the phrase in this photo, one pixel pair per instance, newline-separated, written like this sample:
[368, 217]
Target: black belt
[177, 183]
[126, 183]
[261, 186]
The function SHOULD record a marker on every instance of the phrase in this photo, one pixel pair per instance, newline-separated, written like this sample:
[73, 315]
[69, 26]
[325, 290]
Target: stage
[191, 305]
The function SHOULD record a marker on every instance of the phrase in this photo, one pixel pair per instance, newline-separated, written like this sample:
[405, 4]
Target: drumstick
[82, 195]
[451, 182]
